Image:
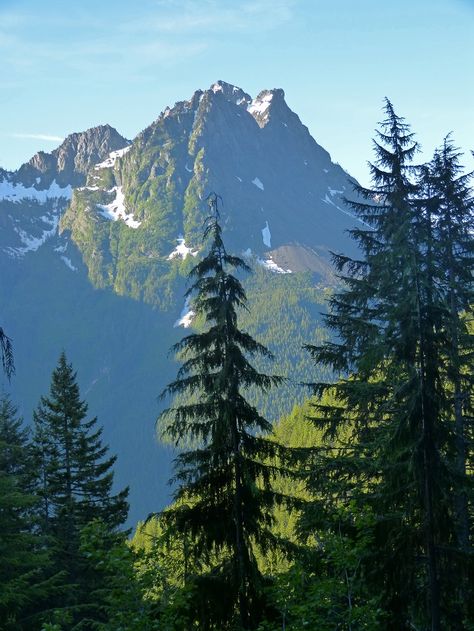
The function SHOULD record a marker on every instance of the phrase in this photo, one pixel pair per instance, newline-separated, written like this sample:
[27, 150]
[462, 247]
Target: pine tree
[451, 204]
[224, 500]
[74, 478]
[6, 351]
[24, 580]
[390, 400]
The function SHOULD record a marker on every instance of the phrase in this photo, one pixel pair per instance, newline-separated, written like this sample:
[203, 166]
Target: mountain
[34, 197]
[97, 237]
[282, 195]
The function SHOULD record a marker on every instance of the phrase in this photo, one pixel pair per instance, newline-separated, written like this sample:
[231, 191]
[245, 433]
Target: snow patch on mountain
[186, 317]
[116, 209]
[327, 200]
[258, 183]
[31, 243]
[88, 188]
[61, 248]
[260, 105]
[273, 267]
[266, 236]
[17, 192]
[181, 250]
[68, 263]
[112, 158]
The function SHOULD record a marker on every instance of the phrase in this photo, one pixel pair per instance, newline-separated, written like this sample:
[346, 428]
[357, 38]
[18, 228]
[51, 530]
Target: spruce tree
[396, 441]
[224, 500]
[450, 201]
[6, 351]
[74, 479]
[24, 581]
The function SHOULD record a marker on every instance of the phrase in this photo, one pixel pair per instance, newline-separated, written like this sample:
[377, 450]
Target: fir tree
[24, 562]
[390, 401]
[224, 499]
[6, 351]
[74, 480]
[450, 202]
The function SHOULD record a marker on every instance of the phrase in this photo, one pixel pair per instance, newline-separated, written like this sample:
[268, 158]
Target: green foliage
[193, 217]
[118, 590]
[284, 312]
[134, 262]
[394, 336]
[74, 482]
[224, 501]
[326, 589]
[6, 352]
[323, 586]
[24, 576]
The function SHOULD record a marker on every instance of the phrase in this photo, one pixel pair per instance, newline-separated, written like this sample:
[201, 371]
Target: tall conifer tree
[24, 582]
[391, 399]
[74, 478]
[6, 352]
[224, 498]
[449, 200]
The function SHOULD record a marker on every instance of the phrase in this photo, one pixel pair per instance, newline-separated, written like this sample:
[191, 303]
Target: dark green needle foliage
[449, 204]
[224, 500]
[24, 582]
[74, 478]
[393, 408]
[6, 352]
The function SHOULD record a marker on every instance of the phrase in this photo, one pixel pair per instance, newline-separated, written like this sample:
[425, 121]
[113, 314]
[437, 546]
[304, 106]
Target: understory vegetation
[354, 512]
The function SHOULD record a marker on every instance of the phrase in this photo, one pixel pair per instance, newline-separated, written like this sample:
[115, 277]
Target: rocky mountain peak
[81, 150]
[265, 108]
[231, 93]
[269, 104]
[70, 162]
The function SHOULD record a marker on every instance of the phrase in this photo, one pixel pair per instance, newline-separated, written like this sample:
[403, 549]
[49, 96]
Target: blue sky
[67, 66]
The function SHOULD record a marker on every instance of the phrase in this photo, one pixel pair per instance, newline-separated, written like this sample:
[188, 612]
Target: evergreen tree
[450, 202]
[6, 351]
[391, 400]
[119, 585]
[224, 501]
[74, 480]
[24, 584]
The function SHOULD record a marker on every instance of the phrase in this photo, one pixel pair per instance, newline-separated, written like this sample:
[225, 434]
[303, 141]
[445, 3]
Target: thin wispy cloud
[161, 33]
[86, 54]
[202, 17]
[45, 137]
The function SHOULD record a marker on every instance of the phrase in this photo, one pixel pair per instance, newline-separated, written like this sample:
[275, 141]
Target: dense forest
[354, 512]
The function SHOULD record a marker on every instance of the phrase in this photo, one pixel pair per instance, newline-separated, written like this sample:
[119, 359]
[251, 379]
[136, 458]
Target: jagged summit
[70, 162]
[231, 93]
[262, 108]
